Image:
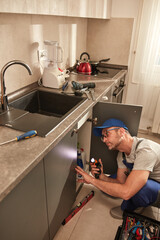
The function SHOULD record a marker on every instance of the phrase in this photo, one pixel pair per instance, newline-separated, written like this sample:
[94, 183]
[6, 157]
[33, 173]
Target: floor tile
[151, 212]
[93, 221]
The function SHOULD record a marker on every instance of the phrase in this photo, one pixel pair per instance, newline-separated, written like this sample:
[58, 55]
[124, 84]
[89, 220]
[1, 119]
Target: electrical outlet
[42, 55]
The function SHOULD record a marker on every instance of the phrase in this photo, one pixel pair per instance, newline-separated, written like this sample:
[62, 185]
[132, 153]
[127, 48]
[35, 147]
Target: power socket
[42, 55]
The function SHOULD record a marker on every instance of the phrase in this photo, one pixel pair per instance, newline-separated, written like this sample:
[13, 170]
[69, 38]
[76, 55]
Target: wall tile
[110, 38]
[23, 34]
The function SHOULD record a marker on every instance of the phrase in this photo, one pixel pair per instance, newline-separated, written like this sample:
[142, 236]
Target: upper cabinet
[89, 8]
[71, 8]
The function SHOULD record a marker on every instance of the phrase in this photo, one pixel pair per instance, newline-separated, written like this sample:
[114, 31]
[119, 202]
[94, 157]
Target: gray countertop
[17, 159]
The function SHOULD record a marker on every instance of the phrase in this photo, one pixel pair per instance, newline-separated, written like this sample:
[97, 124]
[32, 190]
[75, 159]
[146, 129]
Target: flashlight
[98, 165]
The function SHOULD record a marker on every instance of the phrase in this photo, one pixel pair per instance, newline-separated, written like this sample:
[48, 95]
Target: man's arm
[121, 176]
[134, 182]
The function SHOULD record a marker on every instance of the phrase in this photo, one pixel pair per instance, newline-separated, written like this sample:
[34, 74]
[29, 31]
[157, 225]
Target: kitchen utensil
[100, 61]
[84, 66]
[94, 64]
[85, 63]
[21, 137]
[53, 77]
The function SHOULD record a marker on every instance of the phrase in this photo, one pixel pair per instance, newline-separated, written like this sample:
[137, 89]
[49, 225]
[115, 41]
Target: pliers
[86, 91]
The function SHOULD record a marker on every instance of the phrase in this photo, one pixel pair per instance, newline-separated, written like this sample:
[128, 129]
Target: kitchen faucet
[4, 99]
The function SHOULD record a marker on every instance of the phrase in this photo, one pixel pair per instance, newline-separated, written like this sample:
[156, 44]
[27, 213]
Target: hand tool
[65, 85]
[91, 90]
[86, 91]
[21, 137]
[78, 207]
[76, 93]
[79, 86]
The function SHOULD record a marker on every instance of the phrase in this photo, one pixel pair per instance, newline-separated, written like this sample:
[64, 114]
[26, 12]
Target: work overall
[149, 194]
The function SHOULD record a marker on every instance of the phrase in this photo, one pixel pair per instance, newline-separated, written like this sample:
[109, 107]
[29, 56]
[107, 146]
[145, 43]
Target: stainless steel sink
[39, 110]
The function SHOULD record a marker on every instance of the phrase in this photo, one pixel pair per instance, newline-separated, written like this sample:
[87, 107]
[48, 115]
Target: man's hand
[86, 177]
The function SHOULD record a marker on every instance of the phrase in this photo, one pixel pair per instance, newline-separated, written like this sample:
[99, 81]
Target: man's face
[111, 137]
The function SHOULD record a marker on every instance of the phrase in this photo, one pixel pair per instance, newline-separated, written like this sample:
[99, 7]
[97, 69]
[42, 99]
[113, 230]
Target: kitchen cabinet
[60, 176]
[71, 8]
[90, 8]
[37, 206]
[23, 212]
[130, 114]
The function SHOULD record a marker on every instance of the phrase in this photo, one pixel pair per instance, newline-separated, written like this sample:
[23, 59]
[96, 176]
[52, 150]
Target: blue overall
[146, 196]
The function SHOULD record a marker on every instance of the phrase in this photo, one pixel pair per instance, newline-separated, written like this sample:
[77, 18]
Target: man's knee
[147, 195]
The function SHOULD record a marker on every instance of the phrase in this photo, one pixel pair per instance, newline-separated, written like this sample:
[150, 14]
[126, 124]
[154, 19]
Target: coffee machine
[53, 77]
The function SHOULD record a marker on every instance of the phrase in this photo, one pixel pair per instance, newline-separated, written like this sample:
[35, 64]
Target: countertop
[17, 159]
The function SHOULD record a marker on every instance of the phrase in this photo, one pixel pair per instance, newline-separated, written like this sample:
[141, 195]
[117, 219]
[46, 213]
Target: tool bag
[136, 226]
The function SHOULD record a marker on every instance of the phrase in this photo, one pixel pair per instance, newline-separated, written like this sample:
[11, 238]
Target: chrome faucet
[4, 99]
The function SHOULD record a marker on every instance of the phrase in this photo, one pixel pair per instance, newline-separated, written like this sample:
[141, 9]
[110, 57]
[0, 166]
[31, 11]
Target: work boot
[117, 212]
[139, 210]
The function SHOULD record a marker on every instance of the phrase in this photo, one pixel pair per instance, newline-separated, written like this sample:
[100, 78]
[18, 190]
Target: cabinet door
[129, 114]
[60, 175]
[76, 8]
[23, 213]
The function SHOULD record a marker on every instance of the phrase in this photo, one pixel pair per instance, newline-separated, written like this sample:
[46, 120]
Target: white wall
[113, 38]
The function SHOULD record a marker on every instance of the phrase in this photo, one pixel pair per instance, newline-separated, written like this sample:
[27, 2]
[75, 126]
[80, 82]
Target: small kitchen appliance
[53, 77]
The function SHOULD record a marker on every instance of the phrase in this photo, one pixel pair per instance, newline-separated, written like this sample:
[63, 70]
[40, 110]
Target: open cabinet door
[129, 114]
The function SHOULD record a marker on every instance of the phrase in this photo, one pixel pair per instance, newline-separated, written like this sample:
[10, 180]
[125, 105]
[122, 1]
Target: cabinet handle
[74, 131]
[93, 120]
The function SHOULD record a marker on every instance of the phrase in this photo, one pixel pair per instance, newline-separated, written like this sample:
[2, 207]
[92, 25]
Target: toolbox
[138, 227]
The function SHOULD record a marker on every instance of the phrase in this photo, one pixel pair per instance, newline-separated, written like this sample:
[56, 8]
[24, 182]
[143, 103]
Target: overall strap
[129, 165]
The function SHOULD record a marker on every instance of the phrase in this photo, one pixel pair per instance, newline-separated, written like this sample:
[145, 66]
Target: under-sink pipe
[4, 99]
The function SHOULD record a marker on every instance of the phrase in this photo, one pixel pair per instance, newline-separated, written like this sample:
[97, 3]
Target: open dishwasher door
[129, 114]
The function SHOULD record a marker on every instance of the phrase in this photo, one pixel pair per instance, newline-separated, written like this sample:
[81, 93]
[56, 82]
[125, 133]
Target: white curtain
[146, 71]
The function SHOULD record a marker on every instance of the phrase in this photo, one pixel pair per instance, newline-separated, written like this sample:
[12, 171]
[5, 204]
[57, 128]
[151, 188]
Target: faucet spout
[4, 99]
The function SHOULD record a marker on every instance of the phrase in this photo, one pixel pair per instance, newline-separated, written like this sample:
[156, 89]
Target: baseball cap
[112, 122]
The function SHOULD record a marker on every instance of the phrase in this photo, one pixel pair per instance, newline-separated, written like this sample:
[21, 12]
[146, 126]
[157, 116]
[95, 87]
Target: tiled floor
[93, 221]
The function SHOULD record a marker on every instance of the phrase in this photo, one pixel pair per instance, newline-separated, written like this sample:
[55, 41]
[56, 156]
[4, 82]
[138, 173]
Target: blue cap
[112, 122]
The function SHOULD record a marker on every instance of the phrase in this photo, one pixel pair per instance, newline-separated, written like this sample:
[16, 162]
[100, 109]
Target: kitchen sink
[40, 110]
[47, 103]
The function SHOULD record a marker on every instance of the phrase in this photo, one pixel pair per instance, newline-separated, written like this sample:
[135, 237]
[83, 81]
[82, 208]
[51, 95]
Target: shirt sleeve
[145, 160]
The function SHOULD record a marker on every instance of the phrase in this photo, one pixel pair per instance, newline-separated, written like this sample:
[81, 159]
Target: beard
[114, 146]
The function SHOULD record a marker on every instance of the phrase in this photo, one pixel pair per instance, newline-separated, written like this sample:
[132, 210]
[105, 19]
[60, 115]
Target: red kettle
[84, 66]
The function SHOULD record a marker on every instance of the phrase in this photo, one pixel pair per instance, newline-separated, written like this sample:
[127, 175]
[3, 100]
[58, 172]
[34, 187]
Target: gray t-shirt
[145, 155]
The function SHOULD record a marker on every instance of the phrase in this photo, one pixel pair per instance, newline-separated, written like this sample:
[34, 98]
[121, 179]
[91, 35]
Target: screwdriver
[26, 135]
